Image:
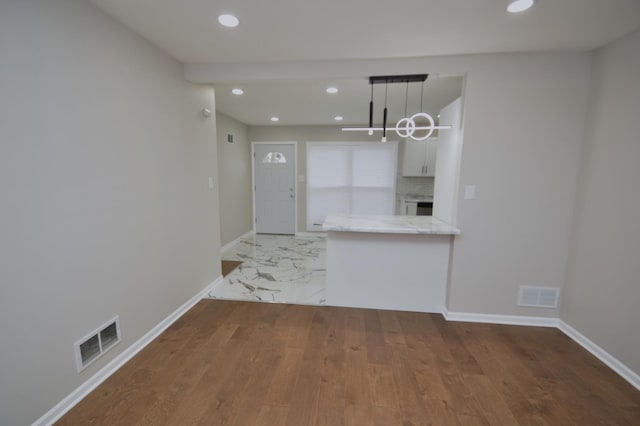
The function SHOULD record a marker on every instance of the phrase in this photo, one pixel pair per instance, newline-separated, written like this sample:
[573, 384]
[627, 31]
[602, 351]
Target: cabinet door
[432, 150]
[420, 157]
[409, 208]
[415, 153]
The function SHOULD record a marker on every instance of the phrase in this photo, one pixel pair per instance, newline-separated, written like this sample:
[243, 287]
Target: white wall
[448, 163]
[234, 178]
[524, 116]
[104, 159]
[523, 129]
[603, 286]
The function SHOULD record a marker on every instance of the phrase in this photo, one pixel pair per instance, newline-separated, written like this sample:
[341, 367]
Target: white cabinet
[420, 157]
[430, 163]
[408, 208]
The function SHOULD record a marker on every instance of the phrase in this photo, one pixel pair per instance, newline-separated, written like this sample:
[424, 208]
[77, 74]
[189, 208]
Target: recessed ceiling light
[517, 6]
[237, 91]
[338, 118]
[332, 90]
[228, 20]
[274, 119]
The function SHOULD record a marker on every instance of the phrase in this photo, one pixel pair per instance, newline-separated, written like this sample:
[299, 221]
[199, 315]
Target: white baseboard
[500, 319]
[604, 356]
[236, 241]
[217, 283]
[84, 389]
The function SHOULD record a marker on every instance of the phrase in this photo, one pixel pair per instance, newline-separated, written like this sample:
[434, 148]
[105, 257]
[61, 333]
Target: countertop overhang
[416, 198]
[427, 225]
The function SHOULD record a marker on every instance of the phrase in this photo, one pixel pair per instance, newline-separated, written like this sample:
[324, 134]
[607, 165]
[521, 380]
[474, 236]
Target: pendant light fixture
[384, 115]
[406, 99]
[371, 111]
[405, 127]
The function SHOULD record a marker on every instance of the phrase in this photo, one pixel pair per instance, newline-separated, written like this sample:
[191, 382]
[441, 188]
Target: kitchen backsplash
[414, 186]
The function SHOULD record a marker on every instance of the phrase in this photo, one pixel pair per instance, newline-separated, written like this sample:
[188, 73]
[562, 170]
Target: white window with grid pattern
[350, 177]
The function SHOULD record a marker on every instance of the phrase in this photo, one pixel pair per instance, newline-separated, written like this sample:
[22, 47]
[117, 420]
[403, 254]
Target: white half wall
[387, 271]
[106, 210]
[603, 285]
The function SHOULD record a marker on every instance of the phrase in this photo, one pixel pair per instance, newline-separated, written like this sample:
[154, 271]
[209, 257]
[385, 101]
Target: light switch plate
[469, 192]
[210, 182]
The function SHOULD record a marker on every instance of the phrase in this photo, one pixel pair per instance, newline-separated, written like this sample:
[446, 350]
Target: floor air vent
[539, 297]
[96, 343]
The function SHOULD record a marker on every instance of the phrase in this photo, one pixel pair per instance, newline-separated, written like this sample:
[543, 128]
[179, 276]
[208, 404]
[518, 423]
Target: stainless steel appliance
[424, 208]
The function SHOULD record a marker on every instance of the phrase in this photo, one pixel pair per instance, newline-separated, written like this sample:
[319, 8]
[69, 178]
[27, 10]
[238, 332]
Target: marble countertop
[388, 224]
[416, 198]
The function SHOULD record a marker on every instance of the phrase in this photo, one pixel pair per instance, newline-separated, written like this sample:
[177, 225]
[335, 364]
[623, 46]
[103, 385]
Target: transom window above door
[274, 157]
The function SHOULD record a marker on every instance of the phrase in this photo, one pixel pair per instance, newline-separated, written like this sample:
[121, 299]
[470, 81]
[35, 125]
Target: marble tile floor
[276, 268]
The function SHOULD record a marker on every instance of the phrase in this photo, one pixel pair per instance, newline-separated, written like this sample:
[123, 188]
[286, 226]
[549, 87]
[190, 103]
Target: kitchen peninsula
[388, 262]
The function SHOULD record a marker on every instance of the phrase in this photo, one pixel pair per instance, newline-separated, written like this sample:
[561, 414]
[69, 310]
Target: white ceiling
[306, 102]
[300, 30]
[304, 30]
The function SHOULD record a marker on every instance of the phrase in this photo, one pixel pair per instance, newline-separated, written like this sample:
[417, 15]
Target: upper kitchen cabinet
[420, 158]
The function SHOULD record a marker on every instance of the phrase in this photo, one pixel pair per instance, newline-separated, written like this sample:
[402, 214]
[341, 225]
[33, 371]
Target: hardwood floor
[228, 266]
[247, 363]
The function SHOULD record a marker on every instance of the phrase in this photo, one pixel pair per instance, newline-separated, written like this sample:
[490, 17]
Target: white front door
[274, 172]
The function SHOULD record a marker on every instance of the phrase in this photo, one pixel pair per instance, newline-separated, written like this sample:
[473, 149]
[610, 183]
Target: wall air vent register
[96, 343]
[538, 297]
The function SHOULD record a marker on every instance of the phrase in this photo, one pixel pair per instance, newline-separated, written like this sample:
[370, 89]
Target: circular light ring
[431, 124]
[275, 119]
[237, 91]
[338, 118]
[228, 20]
[332, 90]
[518, 6]
[406, 127]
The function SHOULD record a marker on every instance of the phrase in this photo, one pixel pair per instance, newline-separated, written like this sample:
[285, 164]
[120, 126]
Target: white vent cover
[539, 297]
[95, 344]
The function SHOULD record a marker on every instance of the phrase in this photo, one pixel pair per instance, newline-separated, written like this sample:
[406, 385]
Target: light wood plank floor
[245, 363]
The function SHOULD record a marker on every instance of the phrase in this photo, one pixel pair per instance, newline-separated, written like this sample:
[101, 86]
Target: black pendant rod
[371, 109]
[384, 116]
[406, 99]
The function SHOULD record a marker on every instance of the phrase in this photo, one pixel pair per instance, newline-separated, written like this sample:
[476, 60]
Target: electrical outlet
[469, 192]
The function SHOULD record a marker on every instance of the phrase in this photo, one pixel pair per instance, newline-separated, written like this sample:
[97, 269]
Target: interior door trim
[295, 180]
